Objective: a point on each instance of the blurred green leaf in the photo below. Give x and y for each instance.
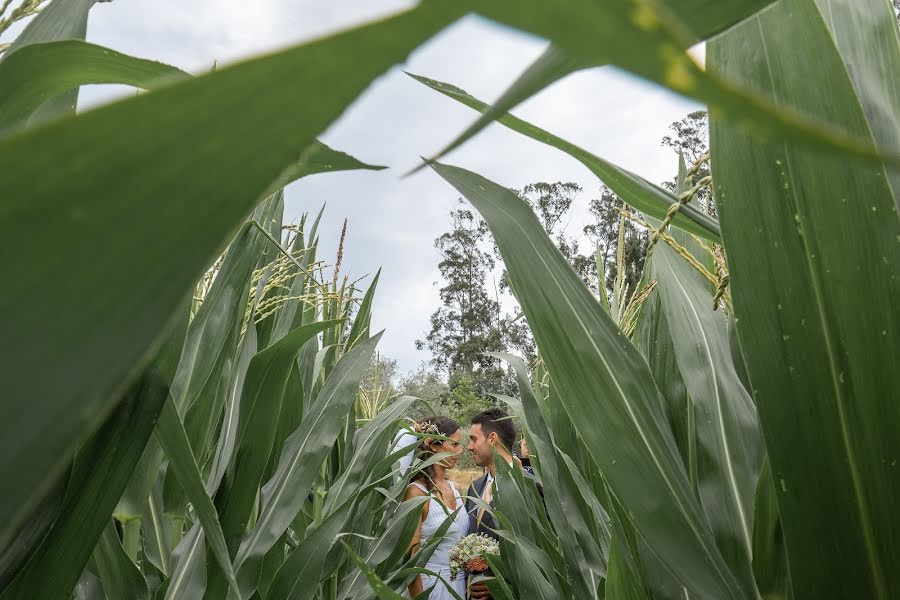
(101, 471)
(769, 559)
(59, 20)
(636, 191)
(213, 143)
(621, 583)
(814, 265)
(702, 18)
(38, 72)
(649, 40)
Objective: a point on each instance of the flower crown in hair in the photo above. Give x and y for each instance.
(427, 428)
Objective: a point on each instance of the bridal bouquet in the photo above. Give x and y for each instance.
(470, 552)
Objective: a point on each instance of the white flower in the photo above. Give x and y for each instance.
(470, 552)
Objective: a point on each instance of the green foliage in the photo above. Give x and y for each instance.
(467, 324)
(428, 385)
(464, 403)
(728, 433)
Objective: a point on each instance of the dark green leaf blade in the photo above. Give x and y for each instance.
(702, 17)
(213, 143)
(120, 577)
(172, 437)
(769, 559)
(815, 268)
(382, 591)
(730, 449)
(301, 458)
(589, 359)
(99, 476)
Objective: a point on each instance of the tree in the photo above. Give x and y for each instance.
(428, 385)
(551, 203)
(464, 401)
(691, 140)
(603, 230)
(467, 324)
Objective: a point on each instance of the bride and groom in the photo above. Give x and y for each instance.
(491, 431)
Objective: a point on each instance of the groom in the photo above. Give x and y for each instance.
(492, 430)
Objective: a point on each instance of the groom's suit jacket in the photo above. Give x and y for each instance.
(487, 520)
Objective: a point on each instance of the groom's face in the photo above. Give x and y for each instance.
(480, 446)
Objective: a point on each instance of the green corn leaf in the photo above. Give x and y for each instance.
(382, 591)
(649, 39)
(769, 559)
(228, 430)
(300, 573)
(29, 537)
(156, 532)
(637, 192)
(213, 143)
(702, 18)
(516, 506)
(173, 438)
(211, 337)
(654, 339)
(396, 535)
(101, 471)
(363, 463)
(299, 463)
(360, 329)
(120, 577)
(729, 446)
(38, 72)
(59, 20)
(590, 360)
(815, 270)
(551, 66)
(580, 542)
(188, 579)
(261, 401)
(621, 583)
(867, 42)
(320, 158)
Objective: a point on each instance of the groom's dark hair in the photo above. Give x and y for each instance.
(497, 421)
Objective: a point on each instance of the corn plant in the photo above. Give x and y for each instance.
(702, 426)
(147, 444)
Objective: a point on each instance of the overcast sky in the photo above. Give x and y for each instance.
(393, 221)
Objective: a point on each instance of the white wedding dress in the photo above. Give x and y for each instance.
(440, 559)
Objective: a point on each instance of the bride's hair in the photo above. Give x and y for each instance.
(434, 425)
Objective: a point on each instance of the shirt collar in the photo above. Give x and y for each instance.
(490, 476)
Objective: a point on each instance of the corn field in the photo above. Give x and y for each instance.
(182, 411)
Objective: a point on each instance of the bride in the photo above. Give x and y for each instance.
(445, 503)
